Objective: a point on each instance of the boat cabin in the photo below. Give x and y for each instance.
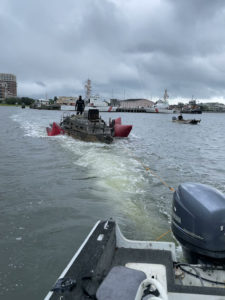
(92, 114)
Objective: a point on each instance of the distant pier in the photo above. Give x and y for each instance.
(131, 109)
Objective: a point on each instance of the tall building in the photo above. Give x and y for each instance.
(8, 86)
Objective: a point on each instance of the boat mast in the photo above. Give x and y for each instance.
(166, 96)
(87, 89)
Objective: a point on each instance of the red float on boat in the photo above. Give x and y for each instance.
(121, 130)
(54, 130)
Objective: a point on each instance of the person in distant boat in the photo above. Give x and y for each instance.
(180, 117)
(80, 106)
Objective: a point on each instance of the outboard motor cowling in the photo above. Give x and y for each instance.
(198, 222)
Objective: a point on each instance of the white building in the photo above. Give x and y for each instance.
(63, 100)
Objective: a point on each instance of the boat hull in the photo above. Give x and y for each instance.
(192, 122)
(159, 110)
(84, 136)
(103, 108)
(88, 127)
(106, 249)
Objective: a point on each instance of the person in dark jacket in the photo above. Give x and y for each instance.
(180, 117)
(80, 106)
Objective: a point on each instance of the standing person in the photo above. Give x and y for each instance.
(80, 106)
(180, 117)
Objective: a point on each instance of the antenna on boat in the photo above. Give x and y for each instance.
(46, 96)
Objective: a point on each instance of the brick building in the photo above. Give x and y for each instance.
(8, 85)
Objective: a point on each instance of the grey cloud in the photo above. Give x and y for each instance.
(40, 83)
(138, 46)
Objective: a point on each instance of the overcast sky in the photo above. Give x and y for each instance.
(128, 48)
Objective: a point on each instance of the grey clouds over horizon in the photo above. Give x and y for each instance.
(128, 48)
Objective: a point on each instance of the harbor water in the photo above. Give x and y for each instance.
(54, 189)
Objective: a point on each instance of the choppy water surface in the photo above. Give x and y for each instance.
(54, 189)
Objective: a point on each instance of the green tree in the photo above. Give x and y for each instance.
(12, 101)
(27, 100)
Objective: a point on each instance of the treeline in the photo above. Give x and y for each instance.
(19, 101)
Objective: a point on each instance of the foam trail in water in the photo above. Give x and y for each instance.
(121, 180)
(112, 166)
(119, 177)
(33, 126)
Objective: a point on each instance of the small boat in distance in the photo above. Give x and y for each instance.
(107, 266)
(183, 121)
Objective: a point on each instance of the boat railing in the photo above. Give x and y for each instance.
(66, 115)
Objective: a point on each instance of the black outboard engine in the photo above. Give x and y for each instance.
(198, 223)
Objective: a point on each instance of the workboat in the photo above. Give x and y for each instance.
(189, 121)
(89, 127)
(161, 106)
(107, 266)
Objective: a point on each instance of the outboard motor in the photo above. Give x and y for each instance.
(198, 223)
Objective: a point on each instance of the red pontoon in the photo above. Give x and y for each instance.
(121, 130)
(54, 130)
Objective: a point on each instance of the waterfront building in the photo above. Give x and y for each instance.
(214, 106)
(42, 101)
(135, 103)
(8, 85)
(3, 90)
(66, 100)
